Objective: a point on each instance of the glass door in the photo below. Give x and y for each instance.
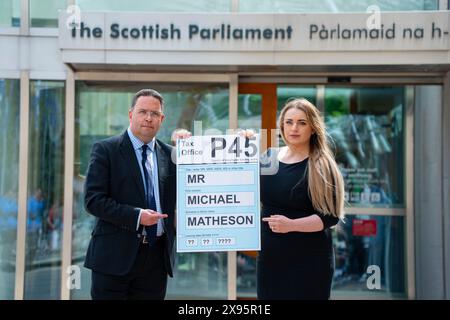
(102, 111)
(367, 125)
(367, 132)
(257, 107)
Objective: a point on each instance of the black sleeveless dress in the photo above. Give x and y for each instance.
(293, 265)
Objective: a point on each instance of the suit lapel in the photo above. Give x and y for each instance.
(131, 163)
(163, 170)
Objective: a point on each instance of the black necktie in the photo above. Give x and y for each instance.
(149, 196)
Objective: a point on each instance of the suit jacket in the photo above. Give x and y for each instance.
(114, 190)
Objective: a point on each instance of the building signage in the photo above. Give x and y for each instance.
(172, 32)
(114, 37)
(218, 194)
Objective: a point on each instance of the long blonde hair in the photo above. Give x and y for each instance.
(325, 182)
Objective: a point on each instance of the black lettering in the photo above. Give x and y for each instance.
(205, 34)
(437, 30)
(390, 33)
(84, 29)
(234, 148)
(151, 31)
(124, 33)
(174, 31)
(115, 31)
(237, 34)
(374, 34)
(164, 33)
(289, 32)
(323, 34)
(407, 33)
(144, 32)
(333, 31)
(281, 32)
(418, 33)
(215, 32)
(194, 178)
(97, 32)
(134, 33)
(360, 32)
(215, 147)
(253, 33)
(313, 28)
(193, 30)
(267, 33)
(191, 221)
(192, 200)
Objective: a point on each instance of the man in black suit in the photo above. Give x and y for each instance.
(131, 189)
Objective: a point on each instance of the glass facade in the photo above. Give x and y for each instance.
(9, 178)
(288, 6)
(102, 111)
(10, 13)
(44, 13)
(285, 93)
(156, 6)
(45, 190)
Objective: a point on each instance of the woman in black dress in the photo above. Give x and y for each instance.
(300, 202)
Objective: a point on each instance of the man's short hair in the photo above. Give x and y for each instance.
(147, 93)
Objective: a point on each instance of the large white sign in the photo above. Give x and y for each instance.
(218, 206)
(256, 32)
(255, 39)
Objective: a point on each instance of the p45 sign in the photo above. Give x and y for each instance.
(218, 206)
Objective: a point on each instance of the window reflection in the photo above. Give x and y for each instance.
(156, 5)
(249, 111)
(10, 13)
(199, 276)
(9, 158)
(358, 245)
(44, 13)
(45, 190)
(288, 6)
(366, 126)
(246, 274)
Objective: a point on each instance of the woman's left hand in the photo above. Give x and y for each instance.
(279, 223)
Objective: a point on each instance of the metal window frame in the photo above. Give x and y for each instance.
(23, 185)
(409, 192)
